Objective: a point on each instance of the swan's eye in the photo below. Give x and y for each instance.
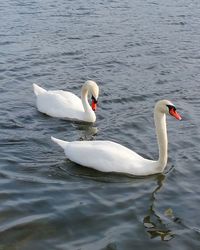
(94, 99)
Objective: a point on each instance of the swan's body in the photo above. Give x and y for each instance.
(66, 105)
(107, 156)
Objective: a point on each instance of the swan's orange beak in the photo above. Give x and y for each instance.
(175, 114)
(94, 104)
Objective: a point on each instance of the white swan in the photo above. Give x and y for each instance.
(66, 105)
(107, 156)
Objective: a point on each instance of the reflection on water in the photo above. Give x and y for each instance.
(138, 52)
(87, 132)
(153, 223)
(163, 226)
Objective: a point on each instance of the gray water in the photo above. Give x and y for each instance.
(138, 52)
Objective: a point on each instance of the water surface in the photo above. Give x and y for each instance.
(138, 52)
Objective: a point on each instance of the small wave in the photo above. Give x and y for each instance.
(25, 220)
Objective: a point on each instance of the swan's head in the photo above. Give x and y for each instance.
(93, 90)
(167, 107)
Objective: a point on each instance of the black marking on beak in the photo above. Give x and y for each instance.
(94, 99)
(171, 107)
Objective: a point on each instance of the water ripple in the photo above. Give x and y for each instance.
(138, 52)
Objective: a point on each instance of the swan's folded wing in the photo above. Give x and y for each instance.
(104, 156)
(60, 104)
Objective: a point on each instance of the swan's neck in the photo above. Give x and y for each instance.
(161, 131)
(88, 110)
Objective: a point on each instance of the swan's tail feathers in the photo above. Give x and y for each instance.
(38, 90)
(61, 143)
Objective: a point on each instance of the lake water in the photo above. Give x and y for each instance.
(138, 52)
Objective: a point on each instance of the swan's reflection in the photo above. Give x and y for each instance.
(87, 132)
(154, 225)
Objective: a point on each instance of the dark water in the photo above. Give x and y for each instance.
(138, 51)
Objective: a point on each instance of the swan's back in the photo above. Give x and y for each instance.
(59, 103)
(107, 156)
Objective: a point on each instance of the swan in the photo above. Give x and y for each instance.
(108, 156)
(66, 105)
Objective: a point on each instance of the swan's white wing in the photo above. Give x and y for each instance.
(60, 103)
(107, 156)
(69, 96)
